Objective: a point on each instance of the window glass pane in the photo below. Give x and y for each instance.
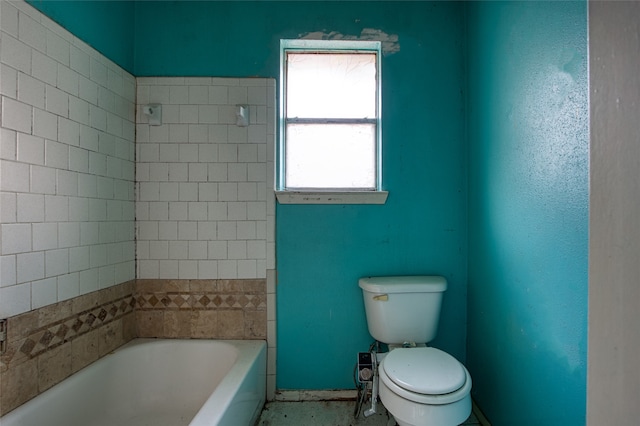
(331, 156)
(331, 85)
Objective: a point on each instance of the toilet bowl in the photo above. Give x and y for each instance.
(424, 386)
(418, 385)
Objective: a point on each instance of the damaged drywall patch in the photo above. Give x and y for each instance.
(390, 42)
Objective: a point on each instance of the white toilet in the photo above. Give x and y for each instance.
(419, 385)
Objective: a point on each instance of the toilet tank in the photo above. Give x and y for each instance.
(403, 308)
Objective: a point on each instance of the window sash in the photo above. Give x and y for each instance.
(342, 84)
(325, 46)
(297, 120)
(331, 156)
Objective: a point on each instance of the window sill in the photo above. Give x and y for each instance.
(332, 197)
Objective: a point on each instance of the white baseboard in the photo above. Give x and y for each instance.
(478, 413)
(315, 395)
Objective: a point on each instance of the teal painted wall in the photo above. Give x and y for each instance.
(212, 38)
(107, 26)
(528, 211)
(323, 250)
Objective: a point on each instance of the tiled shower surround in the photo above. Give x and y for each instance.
(67, 165)
(204, 208)
(112, 228)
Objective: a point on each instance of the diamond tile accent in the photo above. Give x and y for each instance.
(90, 319)
(27, 346)
(243, 300)
(202, 301)
(102, 314)
(46, 338)
(77, 325)
(55, 334)
(62, 331)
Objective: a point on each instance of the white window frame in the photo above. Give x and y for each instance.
(328, 195)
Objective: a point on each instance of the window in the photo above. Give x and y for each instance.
(330, 145)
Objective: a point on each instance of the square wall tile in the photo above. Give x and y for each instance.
(16, 238)
(8, 271)
(15, 300)
(67, 135)
(30, 266)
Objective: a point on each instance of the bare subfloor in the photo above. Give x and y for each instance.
(325, 413)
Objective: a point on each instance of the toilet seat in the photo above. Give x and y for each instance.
(424, 370)
(425, 375)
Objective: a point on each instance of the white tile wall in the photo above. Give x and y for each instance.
(202, 205)
(205, 205)
(66, 164)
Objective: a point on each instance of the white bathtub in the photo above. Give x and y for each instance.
(157, 382)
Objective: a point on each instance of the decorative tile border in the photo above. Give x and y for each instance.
(200, 301)
(57, 334)
(227, 309)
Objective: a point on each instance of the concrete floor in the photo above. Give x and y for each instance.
(325, 413)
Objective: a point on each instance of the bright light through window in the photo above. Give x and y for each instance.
(331, 85)
(331, 155)
(330, 113)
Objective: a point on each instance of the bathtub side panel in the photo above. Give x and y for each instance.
(239, 398)
(250, 399)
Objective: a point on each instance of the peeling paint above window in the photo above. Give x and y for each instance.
(390, 43)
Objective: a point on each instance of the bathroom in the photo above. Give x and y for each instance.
(486, 160)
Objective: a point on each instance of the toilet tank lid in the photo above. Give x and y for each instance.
(404, 284)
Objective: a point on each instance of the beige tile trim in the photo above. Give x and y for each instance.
(206, 309)
(35, 332)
